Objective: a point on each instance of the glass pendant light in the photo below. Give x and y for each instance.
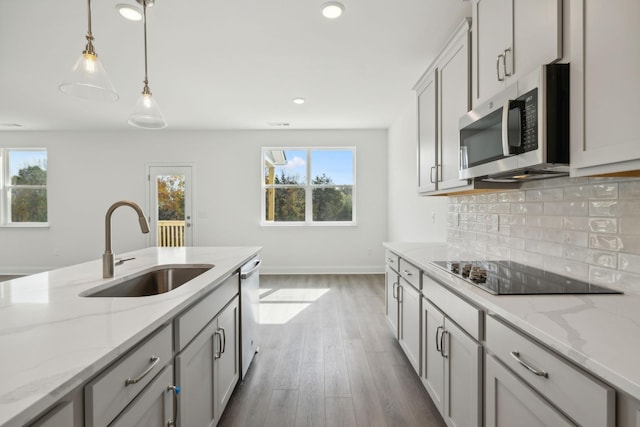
(146, 113)
(88, 79)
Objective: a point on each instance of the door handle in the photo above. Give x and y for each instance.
(224, 340)
(504, 63)
(500, 79)
(438, 329)
(442, 343)
(217, 354)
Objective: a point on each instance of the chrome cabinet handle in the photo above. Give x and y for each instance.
(500, 79)
(154, 361)
(400, 293)
(394, 291)
(504, 62)
(539, 372)
(176, 392)
(438, 329)
(444, 332)
(224, 340)
(431, 174)
(407, 272)
(217, 354)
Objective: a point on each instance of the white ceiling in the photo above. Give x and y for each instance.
(223, 64)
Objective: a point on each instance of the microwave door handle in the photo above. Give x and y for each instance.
(505, 128)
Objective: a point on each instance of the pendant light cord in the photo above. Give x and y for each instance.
(144, 20)
(89, 48)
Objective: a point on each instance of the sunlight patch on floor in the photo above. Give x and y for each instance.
(279, 307)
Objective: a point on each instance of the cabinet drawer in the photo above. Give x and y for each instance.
(467, 316)
(108, 394)
(411, 273)
(582, 397)
(195, 318)
(392, 260)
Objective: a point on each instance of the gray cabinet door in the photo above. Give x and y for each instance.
(510, 402)
(227, 369)
(454, 83)
(410, 323)
(153, 407)
(605, 66)
(195, 376)
(427, 132)
(433, 363)
(391, 292)
(462, 375)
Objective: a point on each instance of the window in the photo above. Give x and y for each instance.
(308, 186)
(23, 183)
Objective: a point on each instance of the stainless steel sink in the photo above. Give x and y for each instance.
(156, 281)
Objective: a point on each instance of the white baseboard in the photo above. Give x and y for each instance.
(350, 269)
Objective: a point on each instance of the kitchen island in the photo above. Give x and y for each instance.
(53, 340)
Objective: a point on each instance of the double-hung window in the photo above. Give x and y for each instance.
(23, 187)
(308, 186)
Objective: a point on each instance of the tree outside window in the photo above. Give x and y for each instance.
(308, 186)
(24, 179)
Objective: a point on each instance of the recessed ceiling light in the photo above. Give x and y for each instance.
(132, 13)
(332, 9)
(298, 101)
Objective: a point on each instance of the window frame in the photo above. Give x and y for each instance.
(308, 189)
(6, 187)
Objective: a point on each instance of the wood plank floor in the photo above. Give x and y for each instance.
(328, 358)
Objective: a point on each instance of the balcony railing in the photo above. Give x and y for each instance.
(170, 233)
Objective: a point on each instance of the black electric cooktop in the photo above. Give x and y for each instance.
(512, 278)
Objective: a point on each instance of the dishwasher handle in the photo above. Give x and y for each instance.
(246, 274)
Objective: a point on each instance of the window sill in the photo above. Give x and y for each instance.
(26, 225)
(309, 224)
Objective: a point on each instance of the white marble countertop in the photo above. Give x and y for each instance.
(52, 340)
(600, 333)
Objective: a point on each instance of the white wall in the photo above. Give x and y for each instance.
(411, 216)
(89, 171)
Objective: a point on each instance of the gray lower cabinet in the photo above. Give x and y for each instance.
(509, 401)
(584, 400)
(116, 387)
(409, 319)
(452, 371)
(154, 406)
(207, 370)
(391, 298)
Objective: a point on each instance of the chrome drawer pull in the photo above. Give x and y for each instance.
(516, 355)
(407, 272)
(154, 361)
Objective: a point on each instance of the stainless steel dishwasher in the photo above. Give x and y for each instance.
(250, 311)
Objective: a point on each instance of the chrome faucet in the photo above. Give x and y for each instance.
(108, 263)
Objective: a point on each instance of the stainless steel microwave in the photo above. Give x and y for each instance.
(522, 133)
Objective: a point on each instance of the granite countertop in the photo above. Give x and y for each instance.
(597, 332)
(53, 340)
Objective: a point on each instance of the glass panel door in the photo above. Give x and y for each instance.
(171, 221)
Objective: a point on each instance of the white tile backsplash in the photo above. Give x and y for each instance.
(585, 227)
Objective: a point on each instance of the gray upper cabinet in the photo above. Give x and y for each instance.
(605, 65)
(512, 38)
(427, 131)
(443, 94)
